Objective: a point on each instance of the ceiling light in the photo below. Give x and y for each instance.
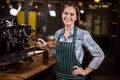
(52, 13)
(80, 3)
(97, 1)
(14, 11)
(82, 11)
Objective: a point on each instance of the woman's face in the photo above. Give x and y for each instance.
(69, 16)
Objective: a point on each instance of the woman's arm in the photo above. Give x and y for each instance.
(95, 51)
(43, 45)
(81, 71)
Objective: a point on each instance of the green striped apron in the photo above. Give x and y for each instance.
(66, 59)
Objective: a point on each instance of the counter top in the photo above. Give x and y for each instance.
(25, 70)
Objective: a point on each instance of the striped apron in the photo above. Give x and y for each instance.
(66, 59)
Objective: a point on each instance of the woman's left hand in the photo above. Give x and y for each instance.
(78, 71)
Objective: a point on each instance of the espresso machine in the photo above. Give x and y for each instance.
(14, 41)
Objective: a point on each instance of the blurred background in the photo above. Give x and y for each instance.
(100, 17)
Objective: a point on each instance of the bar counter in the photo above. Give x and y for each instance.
(26, 70)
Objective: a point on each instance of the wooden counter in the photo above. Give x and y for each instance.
(27, 69)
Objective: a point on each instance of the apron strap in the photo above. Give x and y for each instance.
(75, 34)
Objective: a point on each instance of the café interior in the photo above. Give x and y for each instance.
(23, 21)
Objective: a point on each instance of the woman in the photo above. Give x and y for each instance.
(68, 49)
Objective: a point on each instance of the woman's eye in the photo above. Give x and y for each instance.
(65, 13)
(71, 14)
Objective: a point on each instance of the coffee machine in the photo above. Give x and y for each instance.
(13, 41)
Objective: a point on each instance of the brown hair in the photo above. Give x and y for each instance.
(67, 4)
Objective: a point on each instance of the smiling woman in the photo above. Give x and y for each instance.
(68, 49)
